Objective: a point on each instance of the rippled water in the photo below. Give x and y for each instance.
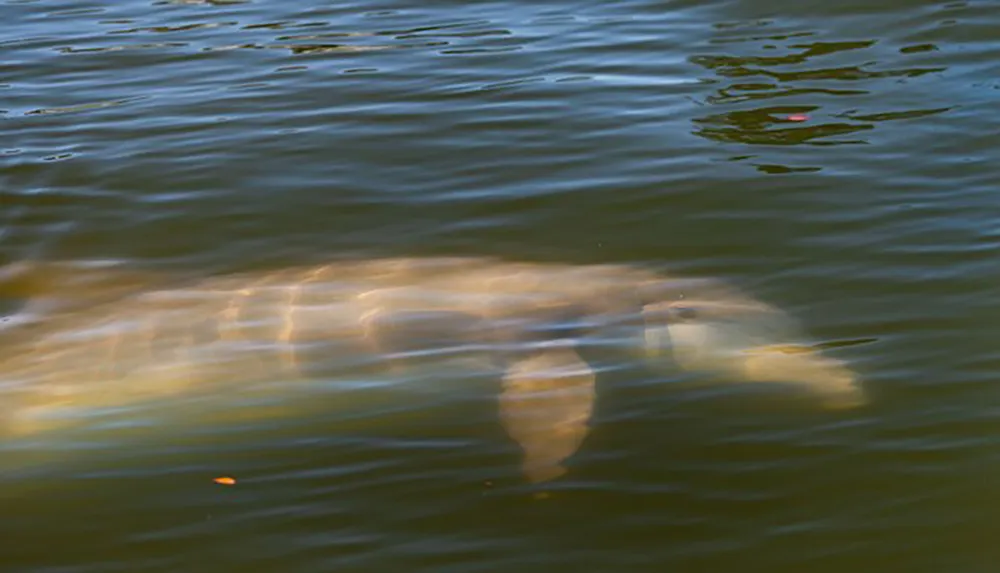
(837, 159)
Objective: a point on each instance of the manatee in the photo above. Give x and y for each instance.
(245, 333)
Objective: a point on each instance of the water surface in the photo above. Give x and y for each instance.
(834, 158)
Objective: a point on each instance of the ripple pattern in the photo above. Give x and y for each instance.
(837, 159)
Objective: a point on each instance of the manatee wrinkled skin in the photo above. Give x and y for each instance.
(525, 320)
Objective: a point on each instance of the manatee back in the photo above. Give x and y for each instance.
(224, 334)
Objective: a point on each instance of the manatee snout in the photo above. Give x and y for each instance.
(737, 339)
(835, 385)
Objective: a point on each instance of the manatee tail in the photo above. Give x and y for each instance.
(38, 288)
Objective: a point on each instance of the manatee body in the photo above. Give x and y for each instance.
(239, 334)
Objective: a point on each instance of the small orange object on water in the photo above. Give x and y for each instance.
(798, 117)
(225, 480)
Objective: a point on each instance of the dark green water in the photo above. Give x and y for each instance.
(209, 136)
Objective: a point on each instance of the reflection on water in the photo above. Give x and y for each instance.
(462, 37)
(806, 72)
(754, 127)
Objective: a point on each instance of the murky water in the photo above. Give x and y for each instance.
(835, 159)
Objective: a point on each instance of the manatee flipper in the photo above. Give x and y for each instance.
(546, 406)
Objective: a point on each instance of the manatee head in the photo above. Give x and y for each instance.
(705, 326)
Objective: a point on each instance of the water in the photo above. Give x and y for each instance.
(203, 137)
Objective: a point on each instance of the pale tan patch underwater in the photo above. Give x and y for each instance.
(143, 338)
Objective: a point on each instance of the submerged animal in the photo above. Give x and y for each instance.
(527, 322)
